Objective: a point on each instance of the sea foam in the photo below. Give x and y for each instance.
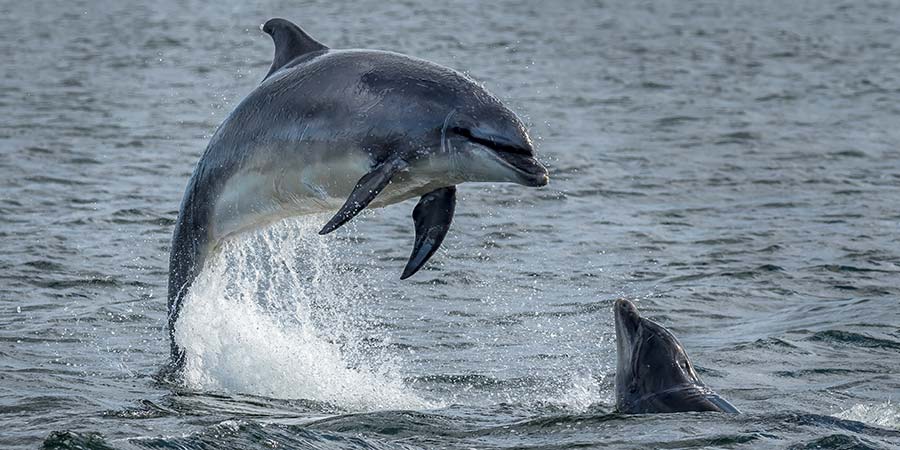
(885, 415)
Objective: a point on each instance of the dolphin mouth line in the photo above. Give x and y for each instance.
(528, 167)
(520, 159)
(492, 144)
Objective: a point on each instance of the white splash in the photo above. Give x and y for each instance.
(274, 314)
(583, 390)
(885, 415)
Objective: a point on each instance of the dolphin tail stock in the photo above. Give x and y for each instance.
(186, 260)
(432, 217)
(367, 188)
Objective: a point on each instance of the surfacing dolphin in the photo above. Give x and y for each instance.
(653, 373)
(341, 130)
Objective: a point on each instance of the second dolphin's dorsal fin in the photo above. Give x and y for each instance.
(290, 42)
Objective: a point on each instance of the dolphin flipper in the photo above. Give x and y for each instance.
(432, 216)
(367, 188)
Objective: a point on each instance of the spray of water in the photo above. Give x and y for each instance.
(275, 314)
(885, 414)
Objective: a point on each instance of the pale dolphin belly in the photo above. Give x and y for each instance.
(270, 188)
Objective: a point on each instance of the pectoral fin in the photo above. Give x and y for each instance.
(367, 188)
(432, 217)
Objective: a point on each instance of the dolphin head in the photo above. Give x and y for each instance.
(454, 123)
(649, 358)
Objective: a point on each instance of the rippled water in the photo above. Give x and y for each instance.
(734, 168)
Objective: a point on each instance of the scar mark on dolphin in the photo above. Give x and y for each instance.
(445, 143)
(303, 133)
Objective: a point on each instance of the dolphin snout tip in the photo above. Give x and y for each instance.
(539, 180)
(624, 307)
(627, 319)
(532, 173)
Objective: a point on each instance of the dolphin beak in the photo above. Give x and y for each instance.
(628, 329)
(531, 172)
(514, 150)
(628, 320)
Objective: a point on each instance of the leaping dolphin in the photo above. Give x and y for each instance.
(653, 373)
(342, 130)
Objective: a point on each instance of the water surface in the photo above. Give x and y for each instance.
(733, 168)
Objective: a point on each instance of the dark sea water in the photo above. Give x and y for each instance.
(732, 167)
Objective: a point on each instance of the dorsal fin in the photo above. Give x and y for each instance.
(290, 42)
